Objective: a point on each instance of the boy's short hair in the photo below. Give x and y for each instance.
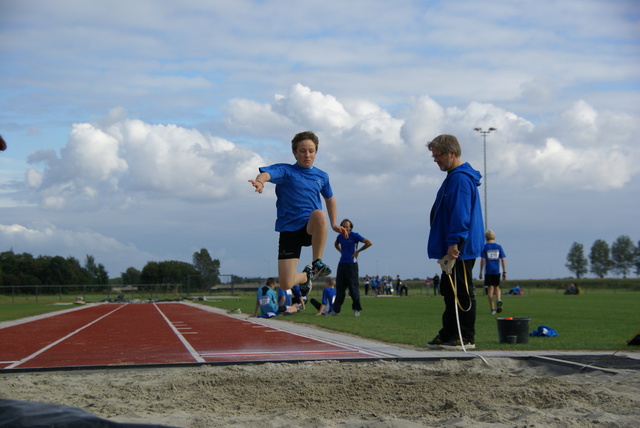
(301, 136)
(490, 235)
(445, 143)
(330, 281)
(270, 282)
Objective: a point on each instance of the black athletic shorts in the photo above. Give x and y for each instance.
(290, 243)
(492, 280)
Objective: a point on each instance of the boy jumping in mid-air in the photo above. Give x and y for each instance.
(300, 219)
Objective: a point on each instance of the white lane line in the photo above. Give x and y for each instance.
(51, 345)
(186, 344)
(257, 353)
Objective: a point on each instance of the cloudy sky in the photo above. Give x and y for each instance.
(133, 127)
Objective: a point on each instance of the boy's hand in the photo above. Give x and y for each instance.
(341, 230)
(259, 185)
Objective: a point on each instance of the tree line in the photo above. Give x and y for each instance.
(203, 273)
(622, 258)
(26, 270)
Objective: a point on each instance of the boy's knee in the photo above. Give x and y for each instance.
(318, 217)
(317, 222)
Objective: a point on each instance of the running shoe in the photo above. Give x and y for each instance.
(332, 314)
(455, 345)
(499, 306)
(435, 343)
(356, 313)
(306, 287)
(493, 312)
(320, 270)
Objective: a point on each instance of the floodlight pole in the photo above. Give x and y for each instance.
(484, 138)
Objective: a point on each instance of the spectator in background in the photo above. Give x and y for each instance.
(387, 285)
(267, 301)
(298, 298)
(492, 256)
(328, 299)
(285, 297)
(348, 276)
(572, 289)
(401, 287)
(375, 285)
(515, 291)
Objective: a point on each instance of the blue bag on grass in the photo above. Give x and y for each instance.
(544, 331)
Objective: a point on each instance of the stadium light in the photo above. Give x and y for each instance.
(484, 138)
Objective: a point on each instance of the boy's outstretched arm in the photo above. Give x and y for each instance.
(258, 183)
(332, 209)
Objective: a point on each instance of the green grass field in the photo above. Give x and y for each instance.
(21, 310)
(600, 320)
(597, 320)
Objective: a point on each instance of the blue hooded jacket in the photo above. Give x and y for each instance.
(457, 215)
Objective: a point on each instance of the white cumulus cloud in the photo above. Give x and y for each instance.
(109, 161)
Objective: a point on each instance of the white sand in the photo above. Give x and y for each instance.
(446, 393)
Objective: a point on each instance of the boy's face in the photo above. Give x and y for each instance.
(305, 153)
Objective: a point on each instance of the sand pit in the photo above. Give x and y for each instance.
(445, 393)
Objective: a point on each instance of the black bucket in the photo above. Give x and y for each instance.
(513, 330)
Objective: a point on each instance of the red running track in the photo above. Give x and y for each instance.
(154, 334)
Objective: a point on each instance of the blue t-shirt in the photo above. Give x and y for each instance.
(348, 246)
(328, 297)
(267, 299)
(298, 191)
(295, 290)
(287, 296)
(492, 252)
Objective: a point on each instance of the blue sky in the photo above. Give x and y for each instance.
(133, 127)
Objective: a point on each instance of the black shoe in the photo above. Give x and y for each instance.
(307, 286)
(435, 343)
(320, 270)
(455, 345)
(499, 309)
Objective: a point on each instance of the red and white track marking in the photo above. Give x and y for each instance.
(148, 334)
